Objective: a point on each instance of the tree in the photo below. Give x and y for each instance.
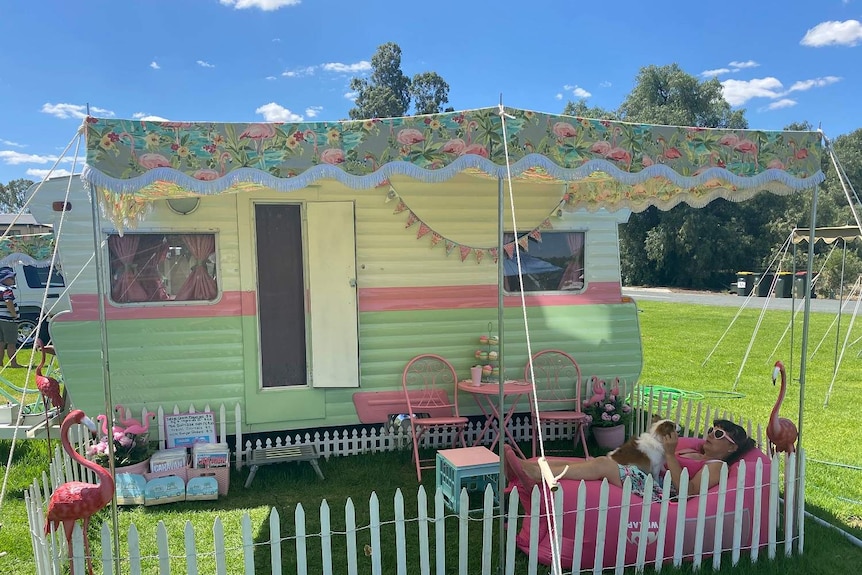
(667, 95)
(581, 110)
(430, 92)
(12, 195)
(387, 93)
(702, 247)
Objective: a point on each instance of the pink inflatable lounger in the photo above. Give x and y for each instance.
(609, 552)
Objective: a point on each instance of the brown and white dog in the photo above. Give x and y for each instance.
(647, 450)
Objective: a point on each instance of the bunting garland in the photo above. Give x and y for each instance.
(464, 250)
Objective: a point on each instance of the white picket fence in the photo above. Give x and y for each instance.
(435, 537)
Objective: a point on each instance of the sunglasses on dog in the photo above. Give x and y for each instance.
(719, 433)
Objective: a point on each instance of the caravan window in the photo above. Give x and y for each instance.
(554, 264)
(157, 267)
(37, 277)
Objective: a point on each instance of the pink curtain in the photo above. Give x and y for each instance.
(152, 251)
(573, 274)
(124, 285)
(199, 285)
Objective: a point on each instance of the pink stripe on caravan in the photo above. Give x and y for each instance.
(477, 296)
(85, 307)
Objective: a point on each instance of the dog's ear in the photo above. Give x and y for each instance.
(655, 418)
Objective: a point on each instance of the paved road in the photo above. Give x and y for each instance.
(730, 300)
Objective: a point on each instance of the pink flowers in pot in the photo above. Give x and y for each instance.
(129, 448)
(606, 408)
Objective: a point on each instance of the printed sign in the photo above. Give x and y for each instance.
(187, 429)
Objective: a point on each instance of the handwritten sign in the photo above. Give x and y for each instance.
(187, 429)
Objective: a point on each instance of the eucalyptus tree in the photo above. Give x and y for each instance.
(388, 92)
(12, 195)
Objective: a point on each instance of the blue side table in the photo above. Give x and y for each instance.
(468, 467)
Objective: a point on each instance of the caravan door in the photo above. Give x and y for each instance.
(307, 312)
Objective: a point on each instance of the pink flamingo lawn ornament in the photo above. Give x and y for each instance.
(782, 433)
(599, 391)
(75, 499)
(117, 431)
(128, 421)
(135, 428)
(48, 387)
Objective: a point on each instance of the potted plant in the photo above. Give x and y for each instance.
(609, 414)
(132, 451)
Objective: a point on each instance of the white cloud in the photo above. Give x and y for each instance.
(605, 84)
(559, 96)
(782, 103)
(351, 95)
(11, 158)
(270, 78)
(361, 66)
(155, 65)
(732, 67)
(276, 39)
(307, 71)
(66, 111)
(204, 64)
(847, 33)
(144, 117)
(42, 174)
(738, 92)
(813, 83)
(273, 112)
(742, 65)
(577, 91)
(12, 144)
(265, 5)
(313, 111)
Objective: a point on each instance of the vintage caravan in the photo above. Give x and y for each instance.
(286, 267)
(324, 292)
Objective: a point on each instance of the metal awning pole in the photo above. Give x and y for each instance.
(501, 358)
(106, 367)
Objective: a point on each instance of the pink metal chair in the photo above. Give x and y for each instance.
(427, 381)
(558, 388)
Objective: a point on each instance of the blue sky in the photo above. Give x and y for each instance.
(292, 60)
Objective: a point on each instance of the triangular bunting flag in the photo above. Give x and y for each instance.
(400, 207)
(546, 225)
(423, 229)
(479, 254)
(391, 195)
(524, 242)
(465, 251)
(411, 219)
(450, 245)
(509, 249)
(493, 253)
(536, 235)
(435, 238)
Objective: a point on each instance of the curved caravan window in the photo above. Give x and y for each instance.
(554, 264)
(158, 267)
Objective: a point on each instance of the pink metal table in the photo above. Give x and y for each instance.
(487, 397)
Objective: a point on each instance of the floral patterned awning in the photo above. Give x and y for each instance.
(605, 164)
(30, 250)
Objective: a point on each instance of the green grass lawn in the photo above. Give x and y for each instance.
(677, 339)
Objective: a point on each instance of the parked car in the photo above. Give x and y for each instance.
(30, 292)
